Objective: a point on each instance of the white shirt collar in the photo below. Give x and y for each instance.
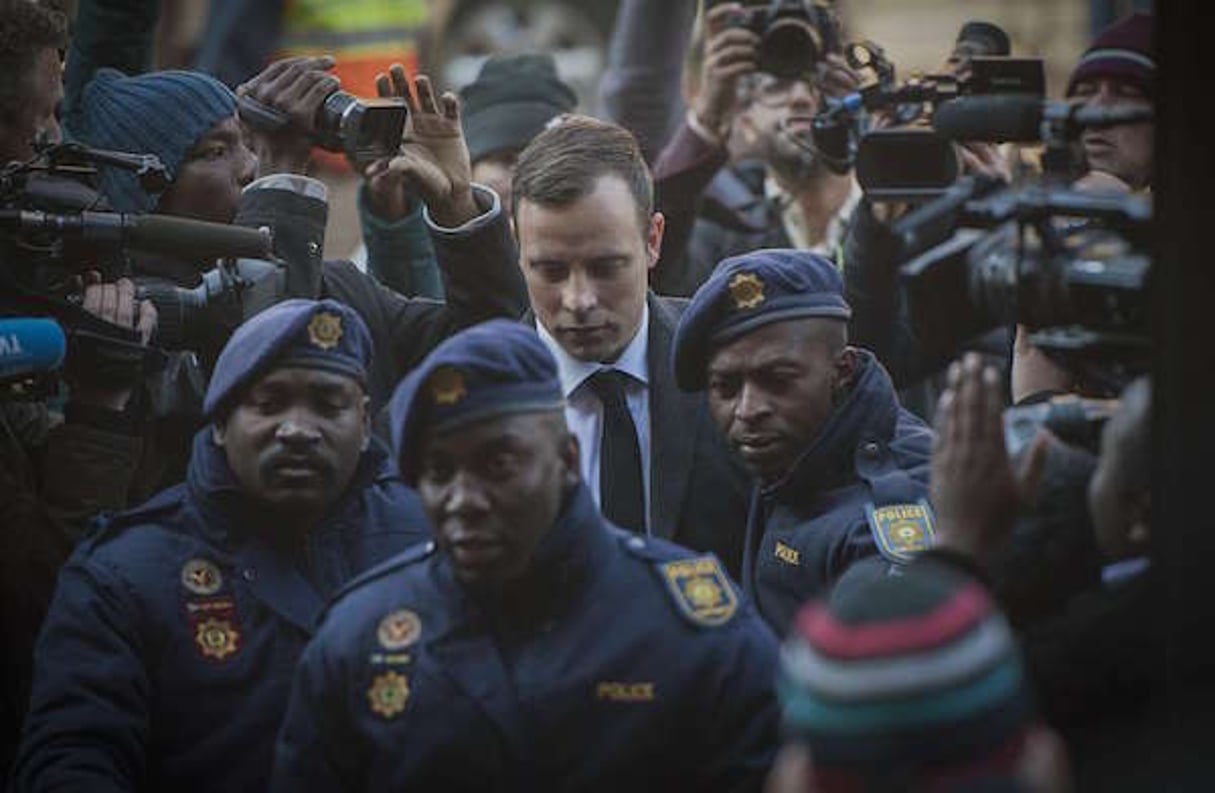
(795, 223)
(573, 371)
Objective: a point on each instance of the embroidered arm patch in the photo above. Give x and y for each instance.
(701, 590)
(902, 530)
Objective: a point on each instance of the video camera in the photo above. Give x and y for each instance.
(794, 35)
(1073, 266)
(51, 232)
(364, 129)
(909, 160)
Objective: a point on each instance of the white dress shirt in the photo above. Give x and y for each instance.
(584, 411)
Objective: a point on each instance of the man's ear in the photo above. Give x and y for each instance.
(218, 433)
(653, 239)
(845, 370)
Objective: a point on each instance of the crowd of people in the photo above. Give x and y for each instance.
(618, 463)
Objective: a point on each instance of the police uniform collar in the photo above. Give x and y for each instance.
(869, 413)
(215, 490)
(565, 560)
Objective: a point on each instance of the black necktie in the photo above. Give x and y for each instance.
(621, 492)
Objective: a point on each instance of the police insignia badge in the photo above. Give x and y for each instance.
(701, 590)
(446, 386)
(325, 330)
(388, 694)
(201, 577)
(399, 630)
(747, 290)
(901, 530)
(216, 638)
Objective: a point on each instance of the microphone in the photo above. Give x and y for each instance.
(30, 345)
(161, 234)
(1018, 118)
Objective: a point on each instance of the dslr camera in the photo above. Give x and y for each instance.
(794, 35)
(364, 129)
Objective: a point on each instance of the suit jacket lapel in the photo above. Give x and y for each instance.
(673, 427)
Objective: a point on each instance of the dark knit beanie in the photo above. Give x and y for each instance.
(990, 38)
(513, 98)
(161, 113)
(1123, 51)
(904, 680)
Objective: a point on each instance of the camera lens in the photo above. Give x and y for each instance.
(789, 48)
(329, 120)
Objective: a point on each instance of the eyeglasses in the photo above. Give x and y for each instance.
(777, 91)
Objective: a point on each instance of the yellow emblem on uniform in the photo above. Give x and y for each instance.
(902, 530)
(447, 386)
(388, 694)
(216, 638)
(612, 691)
(201, 577)
(399, 629)
(325, 330)
(701, 590)
(747, 290)
(787, 554)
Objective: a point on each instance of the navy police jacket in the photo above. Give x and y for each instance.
(166, 659)
(857, 490)
(622, 663)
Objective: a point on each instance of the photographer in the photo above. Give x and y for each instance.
(189, 121)
(779, 193)
(871, 251)
(1117, 70)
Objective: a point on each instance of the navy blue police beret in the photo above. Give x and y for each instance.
(313, 334)
(747, 292)
(493, 369)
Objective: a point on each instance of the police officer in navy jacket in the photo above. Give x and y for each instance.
(533, 646)
(841, 469)
(165, 661)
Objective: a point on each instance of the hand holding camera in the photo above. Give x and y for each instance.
(730, 53)
(296, 103)
(433, 155)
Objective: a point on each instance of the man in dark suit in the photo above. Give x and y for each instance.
(588, 238)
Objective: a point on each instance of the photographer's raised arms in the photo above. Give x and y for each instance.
(528, 494)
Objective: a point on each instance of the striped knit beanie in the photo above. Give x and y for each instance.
(1123, 51)
(161, 113)
(906, 680)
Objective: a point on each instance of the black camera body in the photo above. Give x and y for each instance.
(794, 35)
(1074, 267)
(363, 129)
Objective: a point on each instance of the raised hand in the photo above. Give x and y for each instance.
(434, 156)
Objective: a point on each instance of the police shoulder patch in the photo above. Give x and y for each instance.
(701, 589)
(901, 530)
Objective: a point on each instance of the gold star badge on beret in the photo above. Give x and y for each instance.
(325, 330)
(747, 290)
(447, 386)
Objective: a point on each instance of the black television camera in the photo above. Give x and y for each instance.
(365, 129)
(53, 229)
(1073, 266)
(794, 35)
(909, 160)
